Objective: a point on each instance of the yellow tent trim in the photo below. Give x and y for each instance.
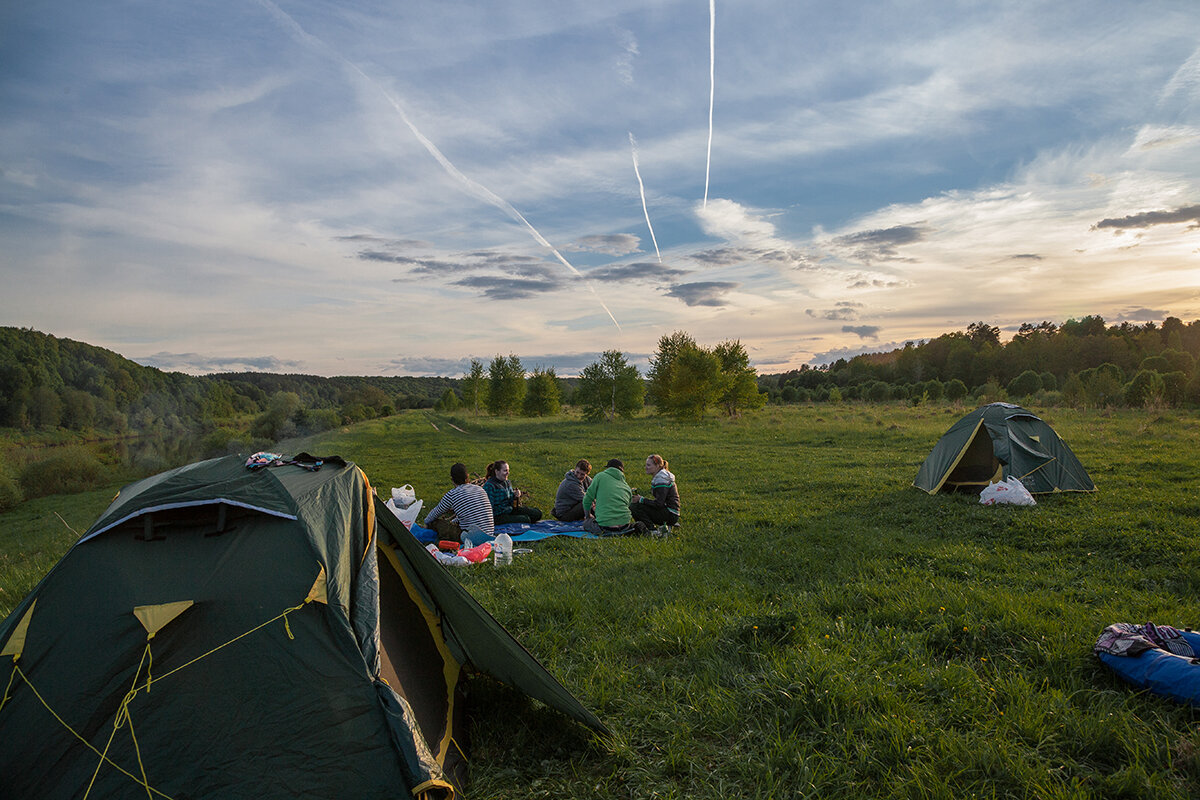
(434, 789)
(319, 593)
(155, 618)
(370, 503)
(15, 645)
(958, 458)
(451, 668)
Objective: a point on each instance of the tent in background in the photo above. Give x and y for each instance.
(222, 632)
(997, 442)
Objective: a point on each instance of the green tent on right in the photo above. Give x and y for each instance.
(997, 442)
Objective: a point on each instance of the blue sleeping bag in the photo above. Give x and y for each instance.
(1159, 671)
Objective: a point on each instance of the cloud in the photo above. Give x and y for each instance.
(427, 366)
(1148, 218)
(639, 270)
(370, 237)
(1150, 137)
(879, 245)
(703, 293)
(862, 331)
(612, 244)
(844, 310)
(1142, 315)
(830, 356)
(784, 257)
(629, 51)
(420, 265)
(196, 364)
(1025, 257)
(499, 287)
(725, 219)
(876, 283)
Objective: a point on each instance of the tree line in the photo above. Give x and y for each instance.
(1083, 362)
(685, 381)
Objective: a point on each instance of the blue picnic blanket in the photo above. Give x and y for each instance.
(519, 532)
(544, 530)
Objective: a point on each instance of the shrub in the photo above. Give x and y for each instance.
(1175, 387)
(10, 492)
(1025, 384)
(876, 391)
(69, 469)
(1145, 389)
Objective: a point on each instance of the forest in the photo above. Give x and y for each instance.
(1081, 363)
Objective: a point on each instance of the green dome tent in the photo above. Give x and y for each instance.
(997, 442)
(222, 632)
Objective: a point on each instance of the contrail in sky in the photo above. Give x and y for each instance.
(475, 187)
(642, 189)
(712, 86)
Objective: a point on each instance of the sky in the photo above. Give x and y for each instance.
(383, 188)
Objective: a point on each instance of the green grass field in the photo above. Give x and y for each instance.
(819, 628)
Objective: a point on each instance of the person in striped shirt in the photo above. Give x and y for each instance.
(472, 511)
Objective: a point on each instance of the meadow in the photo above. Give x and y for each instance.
(818, 628)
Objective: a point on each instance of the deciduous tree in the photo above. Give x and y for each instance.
(543, 396)
(506, 385)
(610, 388)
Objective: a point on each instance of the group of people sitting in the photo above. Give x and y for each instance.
(605, 505)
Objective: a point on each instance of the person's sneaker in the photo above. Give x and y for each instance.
(660, 532)
(639, 528)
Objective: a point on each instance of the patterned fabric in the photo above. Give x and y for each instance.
(470, 506)
(1126, 639)
(501, 495)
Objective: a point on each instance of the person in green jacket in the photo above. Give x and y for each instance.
(611, 494)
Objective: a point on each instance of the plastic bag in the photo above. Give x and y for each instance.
(1011, 491)
(406, 514)
(477, 554)
(446, 558)
(404, 496)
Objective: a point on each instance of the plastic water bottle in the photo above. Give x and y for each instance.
(502, 550)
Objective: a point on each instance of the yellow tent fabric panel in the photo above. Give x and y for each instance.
(319, 593)
(16, 643)
(155, 618)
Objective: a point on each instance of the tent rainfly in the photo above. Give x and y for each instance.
(222, 632)
(997, 442)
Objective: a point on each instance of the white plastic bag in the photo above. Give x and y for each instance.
(408, 514)
(405, 496)
(1011, 491)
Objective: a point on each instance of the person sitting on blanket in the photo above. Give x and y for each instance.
(505, 499)
(611, 494)
(662, 508)
(466, 508)
(568, 501)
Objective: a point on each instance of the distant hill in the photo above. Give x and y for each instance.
(50, 382)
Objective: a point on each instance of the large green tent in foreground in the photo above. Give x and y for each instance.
(997, 442)
(222, 632)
